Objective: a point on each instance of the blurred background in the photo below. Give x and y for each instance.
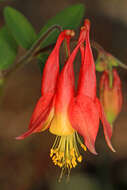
(26, 165)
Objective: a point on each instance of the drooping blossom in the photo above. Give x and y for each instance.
(65, 151)
(51, 110)
(85, 109)
(67, 112)
(111, 97)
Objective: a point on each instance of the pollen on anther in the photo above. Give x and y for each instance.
(84, 147)
(79, 158)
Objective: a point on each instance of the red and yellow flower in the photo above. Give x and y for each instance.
(65, 111)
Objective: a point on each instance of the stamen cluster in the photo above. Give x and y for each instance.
(65, 153)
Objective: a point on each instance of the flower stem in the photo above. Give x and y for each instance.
(105, 54)
(110, 77)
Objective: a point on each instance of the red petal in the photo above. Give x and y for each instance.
(117, 84)
(65, 84)
(103, 79)
(117, 81)
(51, 69)
(40, 115)
(87, 76)
(106, 126)
(84, 118)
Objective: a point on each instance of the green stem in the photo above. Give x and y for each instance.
(45, 49)
(100, 49)
(110, 77)
(66, 49)
(122, 65)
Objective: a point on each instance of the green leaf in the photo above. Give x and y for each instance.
(20, 27)
(8, 48)
(69, 18)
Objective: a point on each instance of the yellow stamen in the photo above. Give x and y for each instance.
(84, 147)
(65, 153)
(79, 158)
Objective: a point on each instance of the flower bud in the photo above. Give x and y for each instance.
(111, 97)
(101, 63)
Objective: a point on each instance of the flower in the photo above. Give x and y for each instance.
(51, 110)
(111, 98)
(67, 112)
(85, 109)
(65, 151)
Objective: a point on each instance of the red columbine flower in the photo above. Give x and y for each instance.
(65, 152)
(65, 112)
(111, 97)
(51, 110)
(85, 109)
